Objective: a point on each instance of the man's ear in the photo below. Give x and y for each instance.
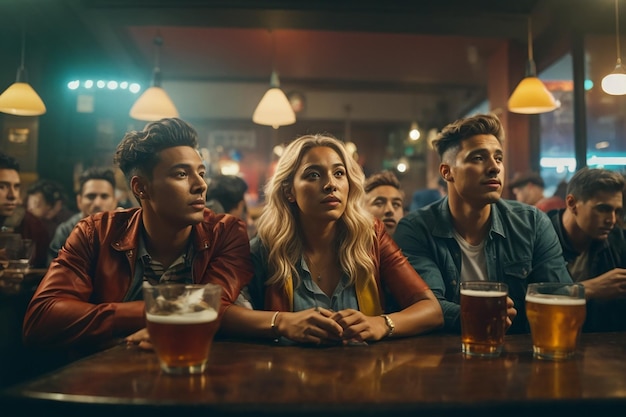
(445, 172)
(138, 187)
(570, 203)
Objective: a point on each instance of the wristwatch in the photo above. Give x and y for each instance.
(389, 324)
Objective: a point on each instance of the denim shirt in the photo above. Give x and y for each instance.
(521, 247)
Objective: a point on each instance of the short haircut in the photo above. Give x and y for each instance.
(228, 190)
(453, 134)
(587, 182)
(95, 173)
(520, 180)
(382, 178)
(8, 162)
(51, 191)
(138, 152)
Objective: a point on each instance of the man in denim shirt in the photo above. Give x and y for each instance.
(473, 234)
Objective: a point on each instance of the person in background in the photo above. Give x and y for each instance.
(226, 194)
(474, 234)
(529, 188)
(593, 247)
(46, 200)
(384, 199)
(323, 266)
(96, 193)
(14, 218)
(91, 296)
(422, 198)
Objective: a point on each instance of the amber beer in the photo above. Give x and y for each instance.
(555, 319)
(182, 320)
(483, 317)
(183, 342)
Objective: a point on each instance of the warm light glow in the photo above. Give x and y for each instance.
(615, 82)
(21, 100)
(153, 104)
(531, 97)
(414, 133)
(274, 110)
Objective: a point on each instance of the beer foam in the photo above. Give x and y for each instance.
(555, 299)
(203, 316)
(479, 293)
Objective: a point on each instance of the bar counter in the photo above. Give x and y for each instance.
(419, 376)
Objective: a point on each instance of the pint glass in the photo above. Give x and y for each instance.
(182, 320)
(483, 317)
(556, 313)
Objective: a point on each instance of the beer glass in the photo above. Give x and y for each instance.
(483, 317)
(556, 313)
(182, 320)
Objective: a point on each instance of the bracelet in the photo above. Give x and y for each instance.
(390, 326)
(274, 328)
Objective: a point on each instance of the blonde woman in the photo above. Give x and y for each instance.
(325, 271)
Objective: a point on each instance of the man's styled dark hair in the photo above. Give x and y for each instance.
(453, 134)
(228, 190)
(587, 182)
(382, 178)
(95, 173)
(138, 152)
(51, 191)
(8, 162)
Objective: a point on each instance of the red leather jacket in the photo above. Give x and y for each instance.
(79, 302)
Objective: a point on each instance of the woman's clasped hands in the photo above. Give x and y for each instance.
(321, 326)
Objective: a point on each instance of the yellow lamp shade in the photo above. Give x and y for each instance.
(274, 109)
(154, 104)
(20, 99)
(531, 97)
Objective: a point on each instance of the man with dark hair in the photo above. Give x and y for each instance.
(91, 295)
(474, 234)
(384, 199)
(96, 193)
(528, 188)
(46, 200)
(226, 194)
(594, 245)
(14, 218)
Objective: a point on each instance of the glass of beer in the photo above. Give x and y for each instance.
(483, 317)
(182, 320)
(556, 313)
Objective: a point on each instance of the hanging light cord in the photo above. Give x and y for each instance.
(530, 39)
(619, 58)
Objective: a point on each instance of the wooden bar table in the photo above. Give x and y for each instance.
(419, 376)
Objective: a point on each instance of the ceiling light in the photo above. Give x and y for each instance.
(414, 133)
(615, 82)
(531, 95)
(20, 99)
(274, 108)
(154, 103)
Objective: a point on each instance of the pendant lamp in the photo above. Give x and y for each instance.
(615, 82)
(154, 103)
(531, 95)
(20, 99)
(274, 108)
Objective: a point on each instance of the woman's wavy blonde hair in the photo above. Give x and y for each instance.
(279, 228)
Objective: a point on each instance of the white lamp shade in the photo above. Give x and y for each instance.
(614, 84)
(20, 99)
(154, 104)
(532, 97)
(274, 109)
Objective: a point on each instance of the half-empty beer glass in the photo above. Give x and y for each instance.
(483, 317)
(182, 320)
(556, 313)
